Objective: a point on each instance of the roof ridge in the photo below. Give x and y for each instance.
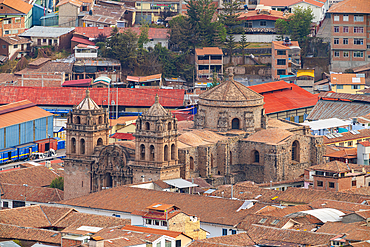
(227, 89)
(45, 214)
(64, 215)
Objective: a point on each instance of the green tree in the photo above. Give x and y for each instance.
(230, 45)
(143, 37)
(205, 28)
(57, 183)
(123, 47)
(243, 44)
(230, 13)
(298, 25)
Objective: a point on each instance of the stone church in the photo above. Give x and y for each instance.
(230, 140)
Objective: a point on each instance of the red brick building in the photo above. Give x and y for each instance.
(286, 58)
(349, 43)
(15, 17)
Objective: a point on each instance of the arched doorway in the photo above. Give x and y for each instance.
(99, 142)
(235, 124)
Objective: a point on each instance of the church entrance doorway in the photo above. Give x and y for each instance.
(108, 181)
(235, 124)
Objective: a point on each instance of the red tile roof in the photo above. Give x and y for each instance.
(68, 96)
(282, 96)
(123, 136)
(351, 6)
(29, 234)
(33, 193)
(77, 83)
(255, 15)
(346, 79)
(365, 144)
(18, 5)
(208, 51)
(93, 32)
(172, 234)
(82, 41)
(153, 33)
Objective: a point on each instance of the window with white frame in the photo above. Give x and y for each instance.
(336, 29)
(345, 29)
(345, 17)
(359, 18)
(336, 18)
(345, 54)
(336, 41)
(358, 41)
(358, 54)
(345, 41)
(358, 29)
(336, 54)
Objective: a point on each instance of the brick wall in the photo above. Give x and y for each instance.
(42, 79)
(70, 242)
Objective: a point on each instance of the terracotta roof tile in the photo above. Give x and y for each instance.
(305, 196)
(33, 193)
(365, 144)
(348, 153)
(241, 239)
(15, 40)
(364, 214)
(34, 176)
(281, 212)
(153, 33)
(270, 135)
(255, 15)
(346, 79)
(282, 96)
(354, 231)
(208, 51)
(280, 45)
(340, 205)
(19, 5)
(8, 231)
(249, 193)
(93, 32)
(208, 209)
(172, 234)
(264, 234)
(333, 166)
(351, 6)
(265, 220)
(346, 136)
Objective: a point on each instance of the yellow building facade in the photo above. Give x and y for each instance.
(347, 83)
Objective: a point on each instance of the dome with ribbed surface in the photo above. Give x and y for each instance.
(229, 93)
(87, 103)
(157, 109)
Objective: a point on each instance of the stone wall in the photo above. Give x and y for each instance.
(258, 70)
(238, 60)
(320, 64)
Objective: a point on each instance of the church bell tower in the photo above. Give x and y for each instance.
(156, 145)
(87, 127)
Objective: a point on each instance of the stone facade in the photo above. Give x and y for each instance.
(156, 154)
(90, 165)
(217, 148)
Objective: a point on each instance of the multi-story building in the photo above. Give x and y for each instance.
(15, 17)
(349, 43)
(72, 11)
(336, 176)
(347, 83)
(208, 60)
(286, 58)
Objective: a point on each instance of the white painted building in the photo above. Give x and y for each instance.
(363, 151)
(86, 51)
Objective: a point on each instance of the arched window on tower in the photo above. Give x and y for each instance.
(73, 145)
(165, 153)
(99, 142)
(191, 163)
(152, 153)
(82, 146)
(142, 152)
(256, 156)
(169, 126)
(147, 126)
(100, 121)
(295, 151)
(78, 120)
(231, 158)
(173, 152)
(235, 124)
(212, 161)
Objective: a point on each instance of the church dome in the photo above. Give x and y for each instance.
(230, 93)
(87, 103)
(157, 110)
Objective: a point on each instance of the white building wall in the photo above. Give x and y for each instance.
(362, 154)
(215, 230)
(318, 12)
(262, 38)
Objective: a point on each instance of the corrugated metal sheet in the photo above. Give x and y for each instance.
(40, 129)
(48, 32)
(12, 136)
(2, 139)
(68, 96)
(345, 96)
(343, 110)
